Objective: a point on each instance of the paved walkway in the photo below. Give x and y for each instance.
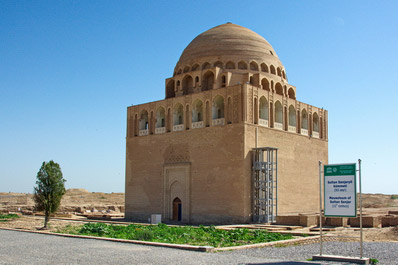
(27, 248)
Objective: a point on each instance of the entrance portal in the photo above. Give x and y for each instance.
(177, 209)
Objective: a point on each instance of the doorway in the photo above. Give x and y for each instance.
(177, 209)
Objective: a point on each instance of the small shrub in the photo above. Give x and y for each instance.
(145, 235)
(374, 261)
(394, 197)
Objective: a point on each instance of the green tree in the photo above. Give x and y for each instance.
(49, 189)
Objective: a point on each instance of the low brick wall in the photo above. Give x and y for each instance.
(288, 220)
(389, 221)
(367, 221)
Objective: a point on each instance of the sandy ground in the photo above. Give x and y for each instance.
(83, 201)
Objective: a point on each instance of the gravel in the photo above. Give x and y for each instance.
(27, 248)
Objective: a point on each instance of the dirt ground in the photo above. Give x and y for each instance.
(78, 202)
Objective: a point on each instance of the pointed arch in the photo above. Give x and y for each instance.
(272, 69)
(178, 114)
(263, 108)
(218, 64)
(197, 111)
(265, 84)
(278, 89)
(195, 67)
(206, 65)
(264, 68)
(278, 112)
(304, 119)
(291, 93)
(253, 66)
(315, 122)
(279, 71)
(292, 116)
(207, 81)
(170, 92)
(143, 123)
(242, 65)
(218, 107)
(186, 69)
(187, 85)
(160, 118)
(230, 65)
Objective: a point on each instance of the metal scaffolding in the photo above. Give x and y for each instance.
(265, 183)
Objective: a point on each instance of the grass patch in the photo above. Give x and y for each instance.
(8, 217)
(199, 236)
(394, 197)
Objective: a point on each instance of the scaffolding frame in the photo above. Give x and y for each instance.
(265, 185)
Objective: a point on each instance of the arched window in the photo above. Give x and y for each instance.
(278, 89)
(263, 108)
(186, 69)
(195, 67)
(315, 121)
(264, 68)
(187, 85)
(242, 65)
(291, 93)
(218, 64)
(254, 66)
(144, 120)
(278, 113)
(218, 107)
(178, 114)
(292, 116)
(206, 66)
(279, 71)
(230, 65)
(304, 120)
(196, 79)
(272, 69)
(179, 71)
(283, 74)
(265, 84)
(197, 111)
(170, 93)
(160, 118)
(207, 81)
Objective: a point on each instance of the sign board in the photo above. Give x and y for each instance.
(340, 190)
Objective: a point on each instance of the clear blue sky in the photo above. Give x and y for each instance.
(69, 69)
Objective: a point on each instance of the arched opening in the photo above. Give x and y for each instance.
(178, 114)
(186, 69)
(315, 122)
(207, 81)
(242, 65)
(263, 108)
(177, 209)
(279, 72)
(291, 93)
(278, 89)
(292, 116)
(283, 74)
(206, 66)
(304, 120)
(254, 66)
(218, 64)
(218, 108)
(278, 113)
(160, 118)
(265, 84)
(251, 80)
(170, 93)
(223, 81)
(187, 85)
(195, 67)
(144, 120)
(230, 65)
(197, 111)
(179, 71)
(264, 68)
(196, 80)
(272, 68)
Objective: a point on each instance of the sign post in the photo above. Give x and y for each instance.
(340, 190)
(340, 200)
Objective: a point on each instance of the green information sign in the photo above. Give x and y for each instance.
(340, 190)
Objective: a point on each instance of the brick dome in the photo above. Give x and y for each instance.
(228, 42)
